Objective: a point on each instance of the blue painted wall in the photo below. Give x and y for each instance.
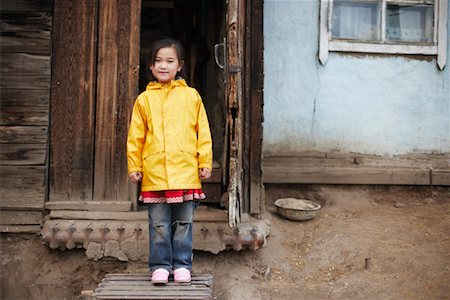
(368, 104)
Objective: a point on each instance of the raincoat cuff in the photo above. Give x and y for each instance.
(205, 165)
(134, 169)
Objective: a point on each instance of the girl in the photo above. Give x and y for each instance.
(169, 149)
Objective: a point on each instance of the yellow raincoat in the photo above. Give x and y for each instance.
(169, 137)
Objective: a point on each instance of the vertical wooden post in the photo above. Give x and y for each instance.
(117, 88)
(256, 108)
(73, 100)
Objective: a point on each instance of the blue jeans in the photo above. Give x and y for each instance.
(170, 227)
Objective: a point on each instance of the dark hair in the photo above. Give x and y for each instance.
(165, 43)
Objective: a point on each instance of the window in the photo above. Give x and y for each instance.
(384, 26)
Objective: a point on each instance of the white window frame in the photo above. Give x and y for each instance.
(437, 48)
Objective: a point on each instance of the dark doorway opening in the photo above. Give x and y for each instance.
(198, 25)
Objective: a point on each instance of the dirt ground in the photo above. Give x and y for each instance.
(366, 243)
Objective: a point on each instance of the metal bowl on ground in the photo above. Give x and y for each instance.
(297, 209)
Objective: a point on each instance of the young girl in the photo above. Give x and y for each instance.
(169, 149)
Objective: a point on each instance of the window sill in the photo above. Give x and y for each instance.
(345, 46)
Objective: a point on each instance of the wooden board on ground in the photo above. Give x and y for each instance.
(138, 286)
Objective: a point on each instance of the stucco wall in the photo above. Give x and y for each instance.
(355, 103)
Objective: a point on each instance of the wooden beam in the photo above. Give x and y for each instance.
(109, 206)
(117, 88)
(73, 100)
(346, 175)
(20, 228)
(202, 214)
(441, 177)
(20, 217)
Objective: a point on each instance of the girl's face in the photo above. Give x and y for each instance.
(166, 65)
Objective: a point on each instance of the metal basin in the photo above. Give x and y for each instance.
(297, 209)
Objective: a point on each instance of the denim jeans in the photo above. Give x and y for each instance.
(170, 227)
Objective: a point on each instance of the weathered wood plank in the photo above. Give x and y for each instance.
(117, 87)
(25, 32)
(22, 186)
(20, 217)
(24, 64)
(26, 44)
(138, 286)
(256, 195)
(356, 160)
(256, 110)
(16, 97)
(34, 82)
(203, 214)
(20, 115)
(23, 134)
(23, 154)
(20, 228)
(73, 100)
(19, 21)
(109, 206)
(143, 278)
(329, 175)
(302, 161)
(26, 5)
(441, 177)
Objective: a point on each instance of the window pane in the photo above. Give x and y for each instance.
(409, 23)
(355, 20)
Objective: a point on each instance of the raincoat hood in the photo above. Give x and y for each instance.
(155, 85)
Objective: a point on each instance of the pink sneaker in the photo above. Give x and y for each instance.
(160, 276)
(182, 275)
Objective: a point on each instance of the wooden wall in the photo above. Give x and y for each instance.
(95, 71)
(25, 57)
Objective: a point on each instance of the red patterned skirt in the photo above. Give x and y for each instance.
(172, 196)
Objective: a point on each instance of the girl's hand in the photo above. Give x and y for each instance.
(135, 177)
(204, 173)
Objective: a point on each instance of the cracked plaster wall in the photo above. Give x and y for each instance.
(374, 104)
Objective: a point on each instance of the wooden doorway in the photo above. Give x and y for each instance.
(197, 25)
(96, 78)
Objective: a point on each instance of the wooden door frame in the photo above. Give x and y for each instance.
(253, 191)
(244, 103)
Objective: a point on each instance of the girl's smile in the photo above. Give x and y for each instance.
(166, 65)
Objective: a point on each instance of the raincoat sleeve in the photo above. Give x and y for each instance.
(204, 141)
(136, 138)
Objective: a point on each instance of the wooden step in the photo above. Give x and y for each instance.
(138, 286)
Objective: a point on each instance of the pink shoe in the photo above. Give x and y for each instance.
(160, 276)
(182, 275)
